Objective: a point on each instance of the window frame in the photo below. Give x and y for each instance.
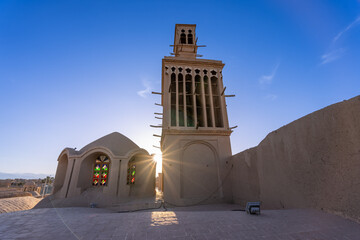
(102, 162)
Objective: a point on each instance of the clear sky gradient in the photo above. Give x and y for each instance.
(74, 71)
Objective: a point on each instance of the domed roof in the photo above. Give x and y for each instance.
(117, 143)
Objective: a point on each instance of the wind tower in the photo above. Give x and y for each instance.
(195, 139)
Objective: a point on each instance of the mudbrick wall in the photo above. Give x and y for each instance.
(312, 162)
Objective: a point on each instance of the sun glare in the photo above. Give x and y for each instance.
(158, 160)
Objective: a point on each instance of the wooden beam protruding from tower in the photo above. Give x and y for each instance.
(159, 126)
(223, 91)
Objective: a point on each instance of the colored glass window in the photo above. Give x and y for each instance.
(131, 174)
(101, 171)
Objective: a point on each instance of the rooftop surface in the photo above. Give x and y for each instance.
(205, 222)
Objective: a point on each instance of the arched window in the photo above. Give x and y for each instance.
(181, 99)
(131, 174)
(173, 99)
(190, 38)
(216, 101)
(199, 101)
(207, 101)
(101, 171)
(183, 37)
(189, 101)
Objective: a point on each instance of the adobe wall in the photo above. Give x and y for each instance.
(311, 162)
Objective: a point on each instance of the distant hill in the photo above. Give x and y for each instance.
(22, 175)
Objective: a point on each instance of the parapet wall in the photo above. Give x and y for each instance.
(311, 162)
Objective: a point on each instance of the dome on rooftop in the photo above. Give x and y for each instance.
(117, 143)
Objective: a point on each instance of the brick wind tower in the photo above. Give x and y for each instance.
(195, 139)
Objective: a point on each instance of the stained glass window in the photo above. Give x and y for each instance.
(101, 171)
(131, 174)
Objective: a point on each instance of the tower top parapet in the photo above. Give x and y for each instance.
(185, 41)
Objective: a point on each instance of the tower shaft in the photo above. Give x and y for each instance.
(195, 135)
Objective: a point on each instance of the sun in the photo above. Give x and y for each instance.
(158, 160)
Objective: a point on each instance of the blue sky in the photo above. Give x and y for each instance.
(73, 71)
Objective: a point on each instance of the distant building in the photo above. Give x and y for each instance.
(160, 182)
(29, 186)
(18, 182)
(5, 183)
